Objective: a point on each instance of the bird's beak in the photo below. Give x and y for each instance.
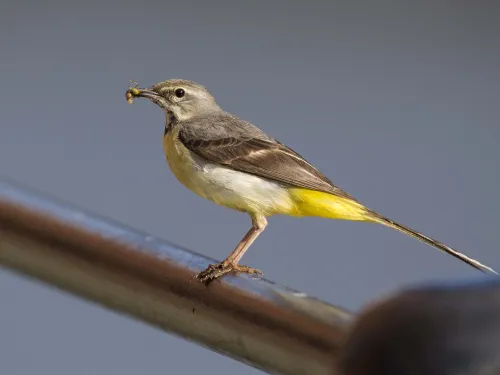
(135, 92)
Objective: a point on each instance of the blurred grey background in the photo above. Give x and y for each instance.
(397, 103)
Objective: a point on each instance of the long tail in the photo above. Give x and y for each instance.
(429, 241)
(315, 203)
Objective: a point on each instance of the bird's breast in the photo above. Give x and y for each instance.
(182, 162)
(223, 185)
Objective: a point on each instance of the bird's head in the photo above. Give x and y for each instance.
(181, 98)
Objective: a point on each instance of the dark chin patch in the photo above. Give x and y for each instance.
(169, 122)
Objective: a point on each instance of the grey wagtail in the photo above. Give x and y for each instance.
(235, 164)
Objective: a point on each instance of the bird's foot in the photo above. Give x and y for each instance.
(214, 271)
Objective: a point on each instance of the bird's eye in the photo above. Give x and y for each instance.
(179, 93)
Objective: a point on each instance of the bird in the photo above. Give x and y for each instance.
(235, 164)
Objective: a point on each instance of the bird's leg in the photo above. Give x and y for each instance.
(230, 264)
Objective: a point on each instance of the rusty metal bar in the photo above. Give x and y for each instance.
(254, 321)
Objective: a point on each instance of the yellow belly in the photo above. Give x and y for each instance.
(246, 192)
(316, 203)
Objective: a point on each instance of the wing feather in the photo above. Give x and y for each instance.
(247, 149)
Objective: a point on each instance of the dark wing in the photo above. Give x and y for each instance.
(258, 155)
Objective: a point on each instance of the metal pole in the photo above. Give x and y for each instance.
(254, 321)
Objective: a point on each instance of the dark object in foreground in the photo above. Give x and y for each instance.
(437, 330)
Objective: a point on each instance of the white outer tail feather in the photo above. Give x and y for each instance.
(429, 241)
